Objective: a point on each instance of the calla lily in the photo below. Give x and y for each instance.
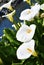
(7, 5)
(26, 33)
(29, 14)
(26, 50)
(42, 6)
(10, 16)
(42, 15)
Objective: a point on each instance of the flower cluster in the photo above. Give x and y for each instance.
(27, 39)
(26, 33)
(29, 14)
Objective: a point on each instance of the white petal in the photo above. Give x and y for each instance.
(25, 14)
(35, 9)
(22, 34)
(7, 5)
(42, 6)
(28, 14)
(22, 52)
(10, 14)
(33, 27)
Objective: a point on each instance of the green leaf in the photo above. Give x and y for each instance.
(11, 36)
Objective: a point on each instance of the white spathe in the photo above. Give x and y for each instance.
(7, 5)
(28, 14)
(42, 6)
(12, 13)
(10, 16)
(26, 33)
(23, 53)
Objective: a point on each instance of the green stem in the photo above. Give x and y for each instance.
(16, 25)
(43, 22)
(38, 34)
(18, 20)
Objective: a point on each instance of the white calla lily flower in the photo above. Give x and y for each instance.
(29, 14)
(26, 33)
(26, 50)
(9, 16)
(42, 6)
(7, 5)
